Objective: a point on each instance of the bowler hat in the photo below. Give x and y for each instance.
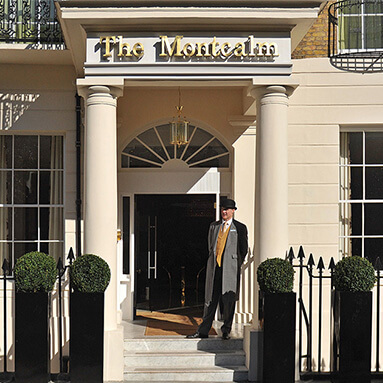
(228, 204)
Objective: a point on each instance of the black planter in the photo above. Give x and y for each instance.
(277, 313)
(86, 337)
(353, 324)
(31, 338)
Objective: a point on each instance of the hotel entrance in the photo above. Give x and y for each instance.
(171, 250)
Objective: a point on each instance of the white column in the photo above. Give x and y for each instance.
(100, 208)
(271, 211)
(271, 190)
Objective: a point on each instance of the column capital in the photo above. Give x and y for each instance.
(258, 91)
(112, 87)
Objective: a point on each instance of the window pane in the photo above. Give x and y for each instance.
(126, 235)
(25, 223)
(350, 32)
(373, 248)
(373, 219)
(44, 247)
(374, 183)
(137, 149)
(45, 152)
(374, 148)
(51, 223)
(373, 7)
(181, 149)
(164, 132)
(6, 253)
(54, 249)
(23, 248)
(356, 148)
(26, 152)
(221, 162)
(200, 138)
(150, 138)
(211, 150)
(5, 187)
(129, 162)
(47, 195)
(356, 183)
(51, 149)
(348, 8)
(373, 32)
(25, 187)
(5, 223)
(356, 246)
(356, 219)
(5, 152)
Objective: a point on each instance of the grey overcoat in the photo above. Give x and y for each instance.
(233, 256)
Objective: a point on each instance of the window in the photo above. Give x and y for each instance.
(152, 148)
(361, 194)
(360, 25)
(31, 196)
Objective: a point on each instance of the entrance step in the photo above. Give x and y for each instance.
(182, 344)
(184, 360)
(168, 373)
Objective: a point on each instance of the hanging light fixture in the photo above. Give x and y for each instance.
(179, 126)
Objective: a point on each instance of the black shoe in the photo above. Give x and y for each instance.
(225, 336)
(197, 335)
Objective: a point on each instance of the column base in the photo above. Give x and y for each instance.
(114, 355)
(252, 344)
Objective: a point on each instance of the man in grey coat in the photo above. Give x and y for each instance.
(227, 242)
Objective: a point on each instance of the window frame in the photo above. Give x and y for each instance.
(38, 205)
(345, 201)
(173, 152)
(363, 15)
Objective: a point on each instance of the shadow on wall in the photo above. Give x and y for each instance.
(13, 106)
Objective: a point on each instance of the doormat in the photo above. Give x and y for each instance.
(159, 324)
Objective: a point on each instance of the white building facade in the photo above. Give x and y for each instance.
(296, 143)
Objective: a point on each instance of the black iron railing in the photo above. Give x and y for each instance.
(57, 337)
(315, 321)
(355, 38)
(30, 21)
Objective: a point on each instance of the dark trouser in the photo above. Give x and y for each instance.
(209, 312)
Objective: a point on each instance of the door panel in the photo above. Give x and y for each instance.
(171, 249)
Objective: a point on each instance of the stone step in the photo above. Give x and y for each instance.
(203, 374)
(182, 358)
(183, 344)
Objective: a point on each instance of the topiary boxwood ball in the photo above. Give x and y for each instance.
(275, 275)
(35, 272)
(354, 274)
(90, 274)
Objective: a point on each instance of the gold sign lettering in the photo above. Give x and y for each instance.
(225, 52)
(107, 44)
(176, 48)
(214, 49)
(202, 47)
(124, 49)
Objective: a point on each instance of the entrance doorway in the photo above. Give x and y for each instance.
(171, 250)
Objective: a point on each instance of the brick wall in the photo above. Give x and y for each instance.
(314, 44)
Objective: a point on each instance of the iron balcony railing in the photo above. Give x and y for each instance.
(30, 21)
(355, 38)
